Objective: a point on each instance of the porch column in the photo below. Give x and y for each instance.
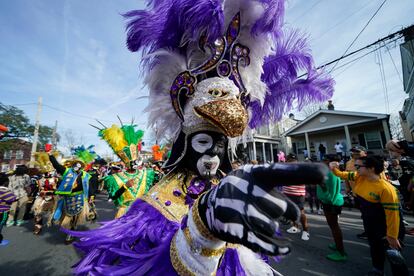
(271, 153)
(254, 149)
(348, 138)
(307, 144)
(386, 130)
(264, 152)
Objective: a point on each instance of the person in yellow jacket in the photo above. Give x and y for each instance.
(379, 205)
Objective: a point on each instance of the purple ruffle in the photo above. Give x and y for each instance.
(230, 264)
(137, 243)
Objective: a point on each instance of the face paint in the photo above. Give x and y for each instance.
(201, 142)
(206, 152)
(77, 167)
(207, 165)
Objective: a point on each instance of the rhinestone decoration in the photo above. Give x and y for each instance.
(236, 54)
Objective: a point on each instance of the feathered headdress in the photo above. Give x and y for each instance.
(85, 155)
(157, 152)
(220, 64)
(124, 141)
(42, 161)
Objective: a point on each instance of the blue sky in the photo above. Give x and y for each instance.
(73, 54)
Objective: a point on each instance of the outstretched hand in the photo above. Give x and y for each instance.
(245, 206)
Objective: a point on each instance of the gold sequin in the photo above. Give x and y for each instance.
(200, 224)
(176, 262)
(229, 115)
(206, 252)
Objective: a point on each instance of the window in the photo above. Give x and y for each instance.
(373, 140)
(7, 154)
(19, 154)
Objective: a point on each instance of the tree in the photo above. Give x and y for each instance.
(15, 120)
(71, 140)
(20, 127)
(395, 127)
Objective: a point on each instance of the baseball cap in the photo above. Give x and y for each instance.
(358, 149)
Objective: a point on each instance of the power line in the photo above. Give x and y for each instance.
(69, 113)
(341, 22)
(366, 25)
(393, 63)
(362, 56)
(308, 10)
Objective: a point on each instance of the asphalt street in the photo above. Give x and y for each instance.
(48, 255)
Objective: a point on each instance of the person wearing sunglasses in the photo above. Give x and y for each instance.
(379, 205)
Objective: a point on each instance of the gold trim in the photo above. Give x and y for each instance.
(176, 262)
(200, 224)
(206, 252)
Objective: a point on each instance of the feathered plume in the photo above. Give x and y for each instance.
(281, 75)
(114, 136)
(131, 135)
(86, 155)
(168, 34)
(124, 141)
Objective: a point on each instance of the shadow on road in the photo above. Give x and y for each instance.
(42, 265)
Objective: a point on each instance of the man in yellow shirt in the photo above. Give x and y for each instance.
(379, 205)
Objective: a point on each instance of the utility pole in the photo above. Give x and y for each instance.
(36, 132)
(54, 136)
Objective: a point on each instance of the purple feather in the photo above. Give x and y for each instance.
(272, 19)
(281, 75)
(165, 22)
(140, 240)
(230, 264)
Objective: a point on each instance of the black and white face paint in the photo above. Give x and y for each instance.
(76, 167)
(201, 142)
(206, 152)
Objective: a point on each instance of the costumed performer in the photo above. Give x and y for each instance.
(72, 207)
(126, 186)
(46, 185)
(197, 221)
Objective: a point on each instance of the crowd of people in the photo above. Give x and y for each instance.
(215, 70)
(379, 186)
(28, 195)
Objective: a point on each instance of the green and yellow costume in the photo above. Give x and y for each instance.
(125, 141)
(143, 180)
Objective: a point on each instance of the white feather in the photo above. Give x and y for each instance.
(253, 264)
(162, 117)
(260, 46)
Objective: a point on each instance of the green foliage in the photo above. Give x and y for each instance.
(15, 120)
(20, 127)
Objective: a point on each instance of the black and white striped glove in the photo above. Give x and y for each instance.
(244, 207)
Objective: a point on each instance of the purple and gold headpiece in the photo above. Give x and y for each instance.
(222, 65)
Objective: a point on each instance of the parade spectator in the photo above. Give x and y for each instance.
(313, 200)
(332, 202)
(6, 199)
(339, 150)
(356, 152)
(379, 205)
(398, 150)
(322, 151)
(297, 194)
(19, 184)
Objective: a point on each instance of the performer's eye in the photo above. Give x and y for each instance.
(217, 93)
(201, 142)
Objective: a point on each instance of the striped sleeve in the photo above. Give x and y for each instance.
(350, 176)
(7, 197)
(390, 203)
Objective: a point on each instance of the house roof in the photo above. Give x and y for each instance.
(364, 117)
